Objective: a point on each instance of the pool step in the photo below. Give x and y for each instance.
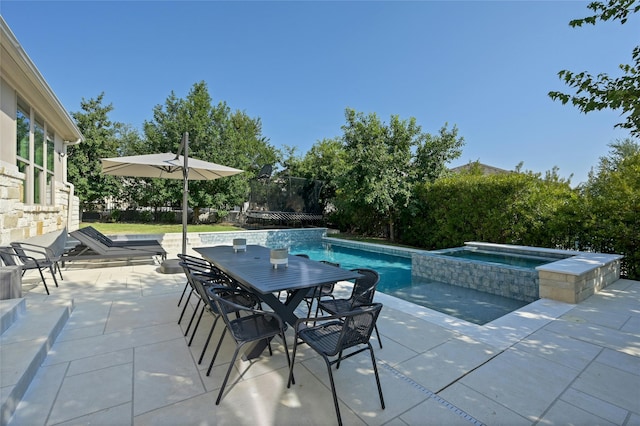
(28, 330)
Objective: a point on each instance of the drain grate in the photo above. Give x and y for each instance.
(438, 399)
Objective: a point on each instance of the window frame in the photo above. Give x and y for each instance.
(39, 166)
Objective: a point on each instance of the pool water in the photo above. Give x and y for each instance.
(503, 258)
(394, 271)
(396, 280)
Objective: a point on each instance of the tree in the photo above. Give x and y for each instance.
(162, 134)
(129, 141)
(85, 169)
(603, 92)
(381, 167)
(324, 162)
(216, 134)
(435, 152)
(611, 213)
(239, 144)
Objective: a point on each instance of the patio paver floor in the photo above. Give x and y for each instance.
(122, 359)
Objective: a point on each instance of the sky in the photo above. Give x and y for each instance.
(484, 66)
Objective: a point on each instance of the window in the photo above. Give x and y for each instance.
(50, 169)
(38, 169)
(23, 122)
(35, 156)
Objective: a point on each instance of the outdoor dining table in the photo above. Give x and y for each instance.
(253, 270)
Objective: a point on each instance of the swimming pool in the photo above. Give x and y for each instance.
(394, 271)
(396, 280)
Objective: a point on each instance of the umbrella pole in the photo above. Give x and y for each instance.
(185, 190)
(172, 266)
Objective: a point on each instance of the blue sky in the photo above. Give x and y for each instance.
(483, 66)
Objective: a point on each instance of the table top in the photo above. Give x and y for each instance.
(253, 268)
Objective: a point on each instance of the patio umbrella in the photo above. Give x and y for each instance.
(169, 166)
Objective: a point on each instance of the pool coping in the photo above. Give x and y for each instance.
(406, 252)
(575, 262)
(500, 333)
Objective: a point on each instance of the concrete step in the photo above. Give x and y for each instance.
(10, 310)
(31, 331)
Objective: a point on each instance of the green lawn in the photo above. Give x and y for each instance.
(155, 228)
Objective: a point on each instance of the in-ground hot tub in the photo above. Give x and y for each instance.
(520, 272)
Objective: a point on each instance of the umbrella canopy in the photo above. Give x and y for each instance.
(169, 166)
(165, 166)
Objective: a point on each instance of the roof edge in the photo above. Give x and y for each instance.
(13, 46)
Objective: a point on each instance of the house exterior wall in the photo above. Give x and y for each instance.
(28, 209)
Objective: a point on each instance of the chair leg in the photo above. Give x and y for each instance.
(286, 351)
(310, 305)
(226, 377)
(57, 266)
(206, 344)
(378, 335)
(43, 280)
(375, 370)
(195, 310)
(183, 292)
(293, 360)
(185, 306)
(53, 274)
(215, 354)
(195, 328)
(233, 360)
(333, 389)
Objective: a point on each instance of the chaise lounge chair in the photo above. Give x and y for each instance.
(95, 245)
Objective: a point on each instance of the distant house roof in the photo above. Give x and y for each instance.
(486, 169)
(18, 69)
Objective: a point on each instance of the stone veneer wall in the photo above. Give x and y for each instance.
(274, 238)
(574, 288)
(376, 248)
(513, 282)
(19, 221)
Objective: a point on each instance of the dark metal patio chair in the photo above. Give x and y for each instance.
(364, 288)
(248, 325)
(196, 261)
(203, 286)
(192, 265)
(336, 334)
(11, 256)
(316, 293)
(325, 290)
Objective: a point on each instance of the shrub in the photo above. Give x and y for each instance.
(146, 216)
(513, 208)
(611, 211)
(115, 215)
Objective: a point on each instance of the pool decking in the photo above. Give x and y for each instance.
(122, 359)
